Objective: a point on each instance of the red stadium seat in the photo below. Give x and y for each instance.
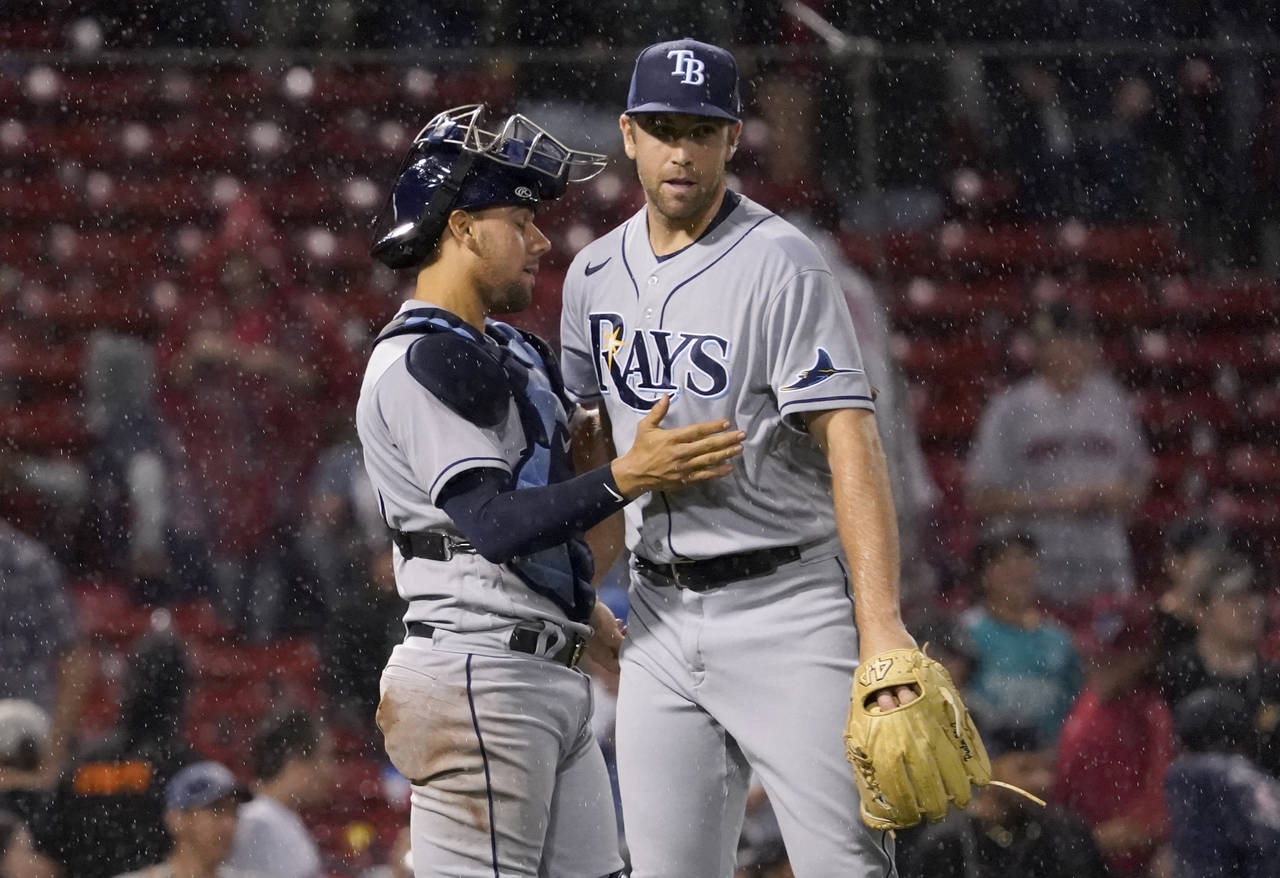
(1135, 250)
(1254, 466)
(925, 358)
(197, 620)
(956, 303)
(107, 613)
(367, 88)
(28, 360)
(1012, 249)
(49, 426)
(1117, 303)
(108, 93)
(1170, 418)
(1219, 302)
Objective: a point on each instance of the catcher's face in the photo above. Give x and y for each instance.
(508, 245)
(680, 160)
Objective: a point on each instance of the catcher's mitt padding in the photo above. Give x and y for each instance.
(910, 762)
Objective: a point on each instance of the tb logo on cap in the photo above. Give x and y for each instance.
(688, 66)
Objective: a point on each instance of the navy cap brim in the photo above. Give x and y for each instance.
(689, 110)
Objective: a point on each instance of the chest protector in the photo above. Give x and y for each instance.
(522, 368)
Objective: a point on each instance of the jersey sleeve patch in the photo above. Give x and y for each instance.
(463, 375)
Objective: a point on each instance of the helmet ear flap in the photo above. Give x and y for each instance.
(418, 208)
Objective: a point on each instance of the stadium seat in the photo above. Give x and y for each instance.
(1218, 303)
(49, 426)
(1133, 250)
(107, 613)
(1009, 249)
(956, 303)
(41, 200)
(1116, 303)
(55, 366)
(1254, 467)
(108, 93)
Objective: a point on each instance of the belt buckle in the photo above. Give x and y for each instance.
(450, 547)
(446, 547)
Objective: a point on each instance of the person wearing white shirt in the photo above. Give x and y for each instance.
(293, 761)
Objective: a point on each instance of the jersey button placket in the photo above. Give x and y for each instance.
(651, 298)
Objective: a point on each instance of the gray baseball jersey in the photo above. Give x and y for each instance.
(413, 445)
(506, 775)
(746, 324)
(1035, 440)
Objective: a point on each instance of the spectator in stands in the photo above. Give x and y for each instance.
(1025, 667)
(40, 651)
(1117, 742)
(360, 631)
(1231, 615)
(1060, 456)
(342, 518)
(1264, 160)
(248, 370)
(1223, 809)
(1041, 144)
(1209, 167)
(18, 855)
(1119, 153)
(201, 805)
(1190, 545)
(107, 813)
(141, 499)
(292, 760)
(24, 745)
(1003, 834)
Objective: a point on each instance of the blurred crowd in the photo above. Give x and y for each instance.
(1131, 684)
(987, 109)
(222, 473)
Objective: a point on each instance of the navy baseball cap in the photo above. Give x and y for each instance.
(686, 76)
(200, 785)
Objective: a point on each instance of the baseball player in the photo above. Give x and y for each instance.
(741, 649)
(467, 441)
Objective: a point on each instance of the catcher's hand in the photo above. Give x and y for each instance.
(911, 761)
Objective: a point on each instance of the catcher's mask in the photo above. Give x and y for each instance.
(454, 164)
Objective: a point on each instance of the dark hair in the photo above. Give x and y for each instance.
(1212, 720)
(993, 548)
(1226, 574)
(285, 736)
(1059, 319)
(1187, 534)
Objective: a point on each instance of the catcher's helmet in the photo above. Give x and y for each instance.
(454, 164)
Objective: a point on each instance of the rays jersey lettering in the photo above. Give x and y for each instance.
(642, 366)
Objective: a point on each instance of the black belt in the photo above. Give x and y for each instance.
(430, 544)
(522, 640)
(713, 572)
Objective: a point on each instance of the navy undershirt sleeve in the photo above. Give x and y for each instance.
(503, 523)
